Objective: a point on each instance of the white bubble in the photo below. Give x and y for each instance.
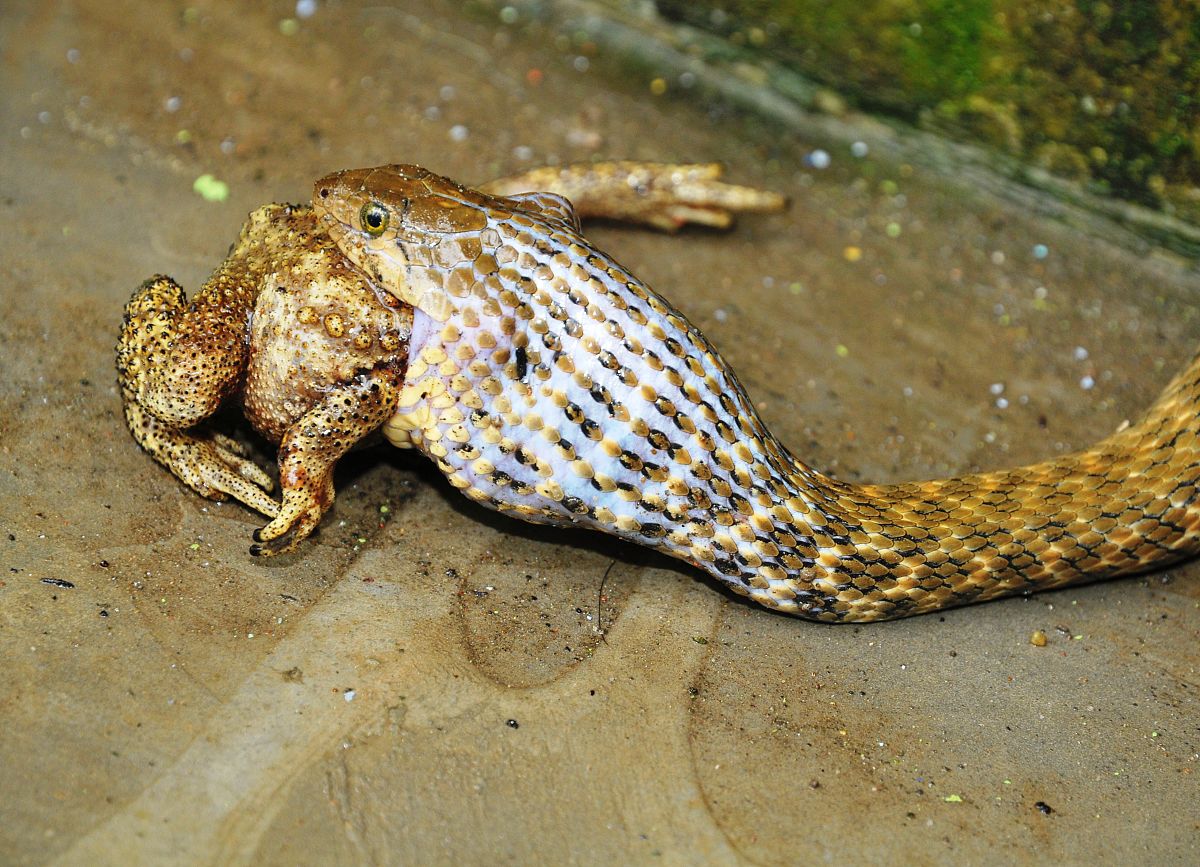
(306, 8)
(819, 159)
(860, 149)
(458, 132)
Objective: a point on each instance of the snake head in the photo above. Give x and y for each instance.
(401, 225)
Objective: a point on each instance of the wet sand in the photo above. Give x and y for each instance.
(426, 682)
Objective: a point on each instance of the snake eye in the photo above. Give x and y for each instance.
(374, 218)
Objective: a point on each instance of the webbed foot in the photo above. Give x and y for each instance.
(666, 196)
(211, 465)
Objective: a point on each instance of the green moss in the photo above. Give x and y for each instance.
(1106, 91)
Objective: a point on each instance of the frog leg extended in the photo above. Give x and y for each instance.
(666, 196)
(312, 446)
(176, 363)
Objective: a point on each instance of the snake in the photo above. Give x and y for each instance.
(549, 383)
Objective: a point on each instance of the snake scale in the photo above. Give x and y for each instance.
(551, 384)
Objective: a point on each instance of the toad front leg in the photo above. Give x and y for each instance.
(312, 447)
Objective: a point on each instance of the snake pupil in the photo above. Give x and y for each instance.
(374, 217)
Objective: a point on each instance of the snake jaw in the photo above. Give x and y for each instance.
(396, 258)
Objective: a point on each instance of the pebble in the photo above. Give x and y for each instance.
(210, 188)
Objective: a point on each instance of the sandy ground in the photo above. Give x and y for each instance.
(426, 682)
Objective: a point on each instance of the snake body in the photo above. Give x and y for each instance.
(549, 383)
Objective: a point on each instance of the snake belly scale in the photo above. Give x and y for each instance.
(551, 384)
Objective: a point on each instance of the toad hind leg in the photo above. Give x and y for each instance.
(314, 444)
(163, 395)
(665, 196)
(209, 466)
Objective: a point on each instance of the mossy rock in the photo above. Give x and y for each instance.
(1107, 92)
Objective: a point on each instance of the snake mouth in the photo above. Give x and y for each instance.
(423, 329)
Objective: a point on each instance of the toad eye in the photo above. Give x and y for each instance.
(374, 218)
